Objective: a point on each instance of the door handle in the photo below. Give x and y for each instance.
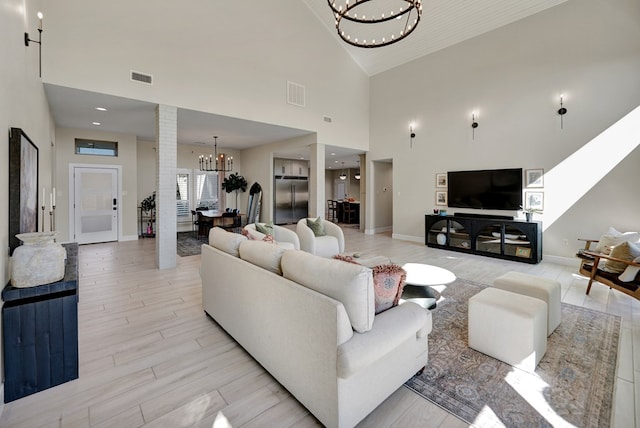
(114, 201)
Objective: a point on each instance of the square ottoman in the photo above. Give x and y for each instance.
(545, 289)
(508, 326)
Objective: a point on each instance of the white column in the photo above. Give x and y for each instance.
(166, 163)
(316, 181)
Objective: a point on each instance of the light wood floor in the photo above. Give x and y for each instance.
(150, 357)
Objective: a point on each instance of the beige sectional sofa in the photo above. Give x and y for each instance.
(310, 322)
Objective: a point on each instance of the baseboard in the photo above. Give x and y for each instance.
(408, 237)
(128, 238)
(559, 260)
(378, 230)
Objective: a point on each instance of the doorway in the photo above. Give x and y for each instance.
(383, 196)
(95, 204)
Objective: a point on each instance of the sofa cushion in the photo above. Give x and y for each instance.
(225, 241)
(625, 251)
(350, 284)
(316, 226)
(630, 272)
(262, 254)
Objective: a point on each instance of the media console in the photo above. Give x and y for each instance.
(502, 238)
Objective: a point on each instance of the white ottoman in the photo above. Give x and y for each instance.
(545, 289)
(508, 326)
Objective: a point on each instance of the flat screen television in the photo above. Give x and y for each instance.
(494, 189)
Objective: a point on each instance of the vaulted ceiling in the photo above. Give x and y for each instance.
(444, 23)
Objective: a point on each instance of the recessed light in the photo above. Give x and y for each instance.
(101, 109)
(96, 123)
(335, 161)
(333, 154)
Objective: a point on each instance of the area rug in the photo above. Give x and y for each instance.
(188, 244)
(572, 386)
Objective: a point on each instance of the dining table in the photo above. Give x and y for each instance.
(212, 218)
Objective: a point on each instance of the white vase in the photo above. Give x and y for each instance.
(441, 239)
(39, 260)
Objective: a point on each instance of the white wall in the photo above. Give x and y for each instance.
(588, 49)
(22, 105)
(229, 58)
(65, 155)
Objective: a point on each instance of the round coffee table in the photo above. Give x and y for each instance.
(420, 280)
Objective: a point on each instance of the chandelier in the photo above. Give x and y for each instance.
(391, 25)
(220, 163)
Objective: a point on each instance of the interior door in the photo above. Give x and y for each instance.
(95, 205)
(340, 190)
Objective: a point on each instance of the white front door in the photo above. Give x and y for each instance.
(95, 205)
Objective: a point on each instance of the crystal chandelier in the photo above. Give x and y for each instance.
(371, 24)
(220, 163)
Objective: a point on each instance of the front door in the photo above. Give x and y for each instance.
(95, 205)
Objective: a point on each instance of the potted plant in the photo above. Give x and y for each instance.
(148, 204)
(234, 182)
(529, 212)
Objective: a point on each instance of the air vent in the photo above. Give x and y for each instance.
(295, 94)
(141, 77)
(327, 119)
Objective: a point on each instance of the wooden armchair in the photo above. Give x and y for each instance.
(589, 261)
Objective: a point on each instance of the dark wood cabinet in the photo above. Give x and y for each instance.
(40, 333)
(507, 239)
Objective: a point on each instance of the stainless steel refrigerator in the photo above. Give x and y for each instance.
(291, 199)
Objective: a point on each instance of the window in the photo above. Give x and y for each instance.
(208, 190)
(182, 195)
(96, 147)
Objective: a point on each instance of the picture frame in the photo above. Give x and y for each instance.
(534, 178)
(441, 198)
(23, 186)
(441, 180)
(534, 201)
(523, 252)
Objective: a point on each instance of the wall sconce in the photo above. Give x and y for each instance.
(474, 125)
(562, 111)
(412, 135)
(39, 41)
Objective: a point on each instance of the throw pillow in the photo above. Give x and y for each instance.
(317, 226)
(388, 284)
(612, 237)
(630, 272)
(625, 251)
(347, 259)
(266, 228)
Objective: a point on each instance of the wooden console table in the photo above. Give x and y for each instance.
(40, 333)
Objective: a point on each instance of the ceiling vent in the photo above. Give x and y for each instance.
(295, 94)
(141, 77)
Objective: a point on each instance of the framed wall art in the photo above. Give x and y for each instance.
(534, 201)
(441, 180)
(23, 186)
(534, 178)
(441, 198)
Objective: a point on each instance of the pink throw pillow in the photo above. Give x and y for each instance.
(388, 284)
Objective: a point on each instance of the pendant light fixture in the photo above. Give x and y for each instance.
(375, 23)
(222, 163)
(343, 175)
(357, 174)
